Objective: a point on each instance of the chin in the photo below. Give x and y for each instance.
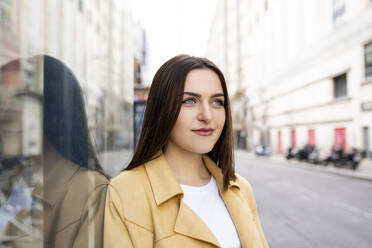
(201, 149)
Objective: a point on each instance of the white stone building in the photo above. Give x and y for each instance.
(306, 72)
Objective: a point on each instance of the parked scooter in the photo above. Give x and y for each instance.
(291, 153)
(309, 153)
(338, 158)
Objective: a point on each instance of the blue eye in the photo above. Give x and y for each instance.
(218, 102)
(189, 101)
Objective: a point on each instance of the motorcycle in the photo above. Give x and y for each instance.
(338, 158)
(291, 153)
(309, 153)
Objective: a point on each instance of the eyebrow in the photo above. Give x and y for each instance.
(199, 96)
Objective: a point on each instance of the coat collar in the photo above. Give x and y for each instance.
(165, 185)
(217, 173)
(163, 182)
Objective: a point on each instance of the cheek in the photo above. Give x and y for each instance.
(182, 122)
(185, 118)
(220, 118)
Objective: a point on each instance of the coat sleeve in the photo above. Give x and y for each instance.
(115, 230)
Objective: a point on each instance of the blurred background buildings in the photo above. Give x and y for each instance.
(299, 72)
(94, 39)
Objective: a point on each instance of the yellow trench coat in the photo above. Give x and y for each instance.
(144, 208)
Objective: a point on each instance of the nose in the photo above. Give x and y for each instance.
(205, 114)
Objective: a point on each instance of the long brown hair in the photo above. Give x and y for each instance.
(162, 109)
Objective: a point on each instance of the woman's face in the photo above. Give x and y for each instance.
(202, 115)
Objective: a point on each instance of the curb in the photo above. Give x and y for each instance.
(319, 168)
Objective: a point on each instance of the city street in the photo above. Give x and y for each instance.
(304, 208)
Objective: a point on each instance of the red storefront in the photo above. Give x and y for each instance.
(311, 136)
(340, 138)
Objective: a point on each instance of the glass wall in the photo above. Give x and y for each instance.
(66, 117)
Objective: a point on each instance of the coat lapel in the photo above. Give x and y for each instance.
(238, 208)
(188, 223)
(241, 215)
(165, 186)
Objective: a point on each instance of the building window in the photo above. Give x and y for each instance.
(340, 86)
(368, 59)
(80, 2)
(338, 10)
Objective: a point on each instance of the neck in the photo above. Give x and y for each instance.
(187, 167)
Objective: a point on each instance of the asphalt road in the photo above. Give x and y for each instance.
(302, 208)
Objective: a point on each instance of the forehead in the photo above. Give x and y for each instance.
(203, 81)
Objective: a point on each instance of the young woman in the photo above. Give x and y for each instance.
(180, 189)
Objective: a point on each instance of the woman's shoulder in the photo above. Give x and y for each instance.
(245, 186)
(130, 193)
(130, 185)
(132, 177)
(242, 182)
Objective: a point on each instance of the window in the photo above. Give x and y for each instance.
(340, 86)
(338, 10)
(80, 5)
(368, 59)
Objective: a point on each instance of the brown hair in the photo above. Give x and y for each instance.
(162, 109)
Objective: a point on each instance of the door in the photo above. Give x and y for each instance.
(311, 137)
(293, 138)
(340, 138)
(280, 148)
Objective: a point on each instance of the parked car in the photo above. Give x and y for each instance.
(262, 150)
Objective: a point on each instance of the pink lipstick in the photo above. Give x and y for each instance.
(204, 131)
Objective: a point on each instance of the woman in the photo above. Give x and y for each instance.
(180, 189)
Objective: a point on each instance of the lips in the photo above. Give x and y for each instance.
(204, 131)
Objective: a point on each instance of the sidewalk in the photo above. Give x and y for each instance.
(364, 171)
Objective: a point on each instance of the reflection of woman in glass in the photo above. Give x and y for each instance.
(74, 188)
(180, 189)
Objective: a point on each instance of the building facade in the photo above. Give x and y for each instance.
(306, 73)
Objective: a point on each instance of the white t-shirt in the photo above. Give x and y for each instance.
(207, 203)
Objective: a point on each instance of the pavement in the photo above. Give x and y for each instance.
(364, 171)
